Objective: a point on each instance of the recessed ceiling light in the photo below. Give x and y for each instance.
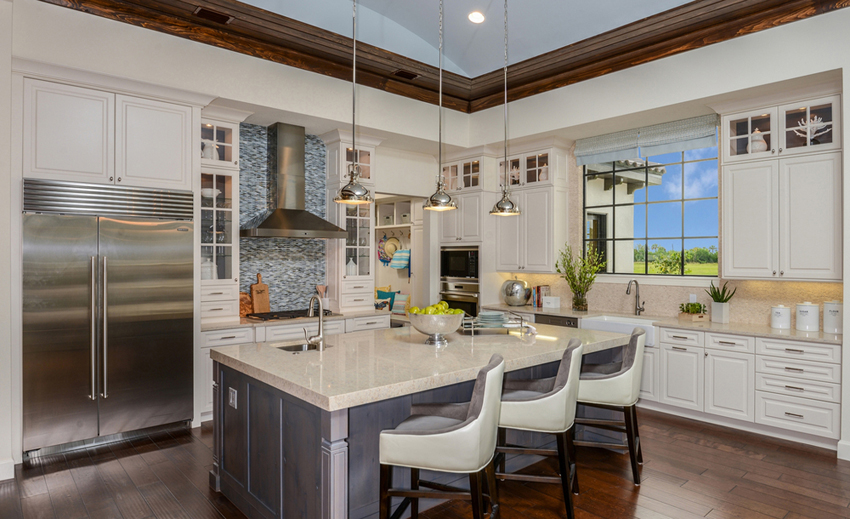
(476, 17)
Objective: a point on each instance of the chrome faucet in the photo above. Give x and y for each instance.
(317, 340)
(639, 307)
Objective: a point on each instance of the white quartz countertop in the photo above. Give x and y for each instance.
(564, 311)
(752, 330)
(253, 323)
(363, 367)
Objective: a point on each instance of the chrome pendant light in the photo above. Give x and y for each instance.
(353, 193)
(440, 201)
(506, 206)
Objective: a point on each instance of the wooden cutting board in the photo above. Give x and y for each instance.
(260, 295)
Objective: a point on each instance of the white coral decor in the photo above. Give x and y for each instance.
(817, 126)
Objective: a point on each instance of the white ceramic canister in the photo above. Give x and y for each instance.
(808, 317)
(780, 317)
(833, 316)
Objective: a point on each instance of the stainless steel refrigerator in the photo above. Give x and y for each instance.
(107, 311)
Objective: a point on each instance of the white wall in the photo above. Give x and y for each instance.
(405, 172)
(6, 424)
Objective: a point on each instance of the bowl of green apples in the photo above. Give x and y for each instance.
(436, 321)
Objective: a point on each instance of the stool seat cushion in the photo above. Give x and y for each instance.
(519, 395)
(617, 383)
(589, 371)
(421, 424)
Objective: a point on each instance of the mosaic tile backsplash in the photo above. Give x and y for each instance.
(290, 267)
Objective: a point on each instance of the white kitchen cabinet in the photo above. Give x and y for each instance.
(730, 384)
(341, 155)
(782, 219)
(219, 144)
(69, 133)
(207, 362)
(359, 324)
(749, 135)
(296, 332)
(464, 224)
(682, 379)
(528, 242)
(799, 414)
(153, 144)
(536, 168)
(649, 377)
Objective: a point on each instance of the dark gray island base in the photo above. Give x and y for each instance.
(280, 456)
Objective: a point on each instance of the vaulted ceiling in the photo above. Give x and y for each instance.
(553, 43)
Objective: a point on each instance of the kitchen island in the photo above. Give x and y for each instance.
(296, 434)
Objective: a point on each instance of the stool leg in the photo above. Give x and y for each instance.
(637, 435)
(501, 441)
(630, 437)
(414, 485)
(386, 482)
(477, 496)
(564, 467)
(492, 488)
(571, 450)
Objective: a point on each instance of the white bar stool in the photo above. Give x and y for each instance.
(549, 406)
(458, 438)
(616, 386)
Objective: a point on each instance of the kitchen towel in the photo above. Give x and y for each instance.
(401, 259)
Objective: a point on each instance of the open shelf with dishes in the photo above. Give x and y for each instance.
(218, 230)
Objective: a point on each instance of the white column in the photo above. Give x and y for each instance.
(6, 189)
(844, 443)
(334, 492)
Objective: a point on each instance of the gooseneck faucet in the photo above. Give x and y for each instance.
(639, 307)
(319, 339)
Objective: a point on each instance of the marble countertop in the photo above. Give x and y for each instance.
(564, 311)
(252, 323)
(363, 367)
(752, 330)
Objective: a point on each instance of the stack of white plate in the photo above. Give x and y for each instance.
(490, 318)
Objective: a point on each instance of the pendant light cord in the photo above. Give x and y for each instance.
(440, 103)
(507, 165)
(353, 85)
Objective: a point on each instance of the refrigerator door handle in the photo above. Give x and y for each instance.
(93, 394)
(105, 393)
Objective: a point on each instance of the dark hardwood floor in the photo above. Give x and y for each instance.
(691, 470)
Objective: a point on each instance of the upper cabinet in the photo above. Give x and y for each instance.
(219, 144)
(341, 155)
(538, 168)
(528, 242)
(88, 135)
(464, 224)
(779, 131)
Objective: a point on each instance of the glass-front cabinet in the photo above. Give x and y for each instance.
(219, 221)
(514, 171)
(364, 160)
(531, 169)
(463, 175)
(358, 242)
(219, 143)
(750, 135)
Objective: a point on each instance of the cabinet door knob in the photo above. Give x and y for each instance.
(780, 150)
(781, 272)
(119, 179)
(773, 150)
(774, 272)
(111, 179)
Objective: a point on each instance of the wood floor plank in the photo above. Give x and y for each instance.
(30, 479)
(37, 507)
(127, 497)
(93, 491)
(10, 499)
(162, 502)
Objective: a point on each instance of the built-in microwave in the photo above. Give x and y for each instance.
(459, 263)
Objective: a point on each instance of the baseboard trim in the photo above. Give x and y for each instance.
(766, 430)
(7, 469)
(844, 450)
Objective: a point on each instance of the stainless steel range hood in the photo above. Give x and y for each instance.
(290, 219)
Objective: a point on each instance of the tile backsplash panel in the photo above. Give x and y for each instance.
(290, 267)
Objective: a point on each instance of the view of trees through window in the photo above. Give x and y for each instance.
(654, 216)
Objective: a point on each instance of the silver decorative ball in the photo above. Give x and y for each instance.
(516, 292)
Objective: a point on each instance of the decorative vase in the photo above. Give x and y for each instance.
(580, 302)
(757, 143)
(719, 312)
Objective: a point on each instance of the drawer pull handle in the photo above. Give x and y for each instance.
(228, 337)
(371, 322)
(680, 337)
(792, 350)
(727, 343)
(216, 309)
(216, 293)
(794, 388)
(358, 299)
(794, 415)
(795, 370)
(359, 287)
(679, 349)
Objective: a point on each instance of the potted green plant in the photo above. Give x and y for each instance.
(720, 302)
(692, 312)
(579, 273)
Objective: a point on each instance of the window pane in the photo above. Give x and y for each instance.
(639, 257)
(623, 257)
(630, 186)
(597, 190)
(665, 257)
(597, 224)
(667, 158)
(702, 153)
(631, 221)
(665, 220)
(701, 218)
(701, 179)
(665, 183)
(701, 257)
(605, 248)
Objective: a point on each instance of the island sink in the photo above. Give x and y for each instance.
(620, 324)
(298, 348)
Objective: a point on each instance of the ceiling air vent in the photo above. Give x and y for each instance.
(406, 74)
(213, 16)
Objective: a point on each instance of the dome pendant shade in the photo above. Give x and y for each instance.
(353, 193)
(440, 201)
(505, 207)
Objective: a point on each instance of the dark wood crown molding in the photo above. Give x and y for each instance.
(259, 33)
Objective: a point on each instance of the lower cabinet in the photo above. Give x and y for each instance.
(649, 378)
(682, 376)
(294, 332)
(729, 384)
(360, 324)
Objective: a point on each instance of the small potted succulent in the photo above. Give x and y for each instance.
(692, 312)
(720, 302)
(579, 273)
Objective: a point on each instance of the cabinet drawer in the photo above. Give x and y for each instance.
(294, 332)
(357, 287)
(360, 324)
(814, 371)
(719, 341)
(799, 350)
(366, 299)
(801, 388)
(798, 414)
(213, 309)
(219, 293)
(684, 337)
(227, 337)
